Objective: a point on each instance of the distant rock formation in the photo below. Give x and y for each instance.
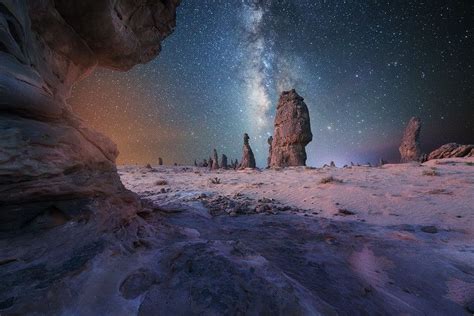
(215, 160)
(248, 159)
(292, 131)
(452, 150)
(410, 146)
(224, 163)
(160, 161)
(332, 164)
(235, 164)
(269, 159)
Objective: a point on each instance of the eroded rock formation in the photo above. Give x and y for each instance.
(410, 146)
(292, 131)
(452, 150)
(48, 153)
(248, 159)
(61, 199)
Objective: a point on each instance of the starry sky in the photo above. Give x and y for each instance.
(363, 67)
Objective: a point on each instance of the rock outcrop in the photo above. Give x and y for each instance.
(292, 131)
(248, 159)
(410, 146)
(452, 150)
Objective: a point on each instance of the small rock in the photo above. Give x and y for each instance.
(137, 283)
(429, 229)
(345, 212)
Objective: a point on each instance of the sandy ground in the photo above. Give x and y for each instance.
(396, 239)
(439, 192)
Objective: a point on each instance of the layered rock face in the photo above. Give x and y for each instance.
(49, 159)
(292, 131)
(452, 150)
(248, 159)
(410, 146)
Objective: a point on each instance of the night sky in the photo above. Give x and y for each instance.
(363, 67)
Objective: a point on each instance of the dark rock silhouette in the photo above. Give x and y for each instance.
(205, 163)
(160, 161)
(248, 159)
(452, 150)
(224, 163)
(332, 164)
(410, 146)
(292, 131)
(269, 159)
(215, 160)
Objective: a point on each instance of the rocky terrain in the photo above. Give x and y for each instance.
(389, 240)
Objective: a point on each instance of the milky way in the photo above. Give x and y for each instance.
(363, 67)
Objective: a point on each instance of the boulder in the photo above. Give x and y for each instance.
(292, 131)
(410, 146)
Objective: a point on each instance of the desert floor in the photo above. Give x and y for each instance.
(393, 239)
